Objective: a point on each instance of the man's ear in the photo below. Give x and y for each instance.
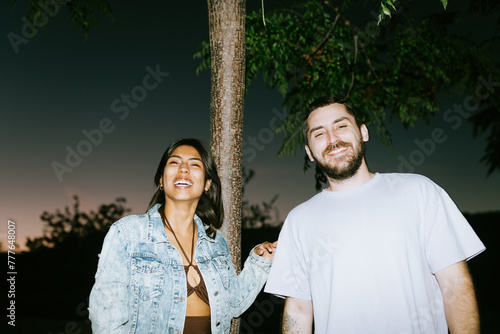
(308, 152)
(364, 133)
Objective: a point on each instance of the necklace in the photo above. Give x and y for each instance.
(167, 224)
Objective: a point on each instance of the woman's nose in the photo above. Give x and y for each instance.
(184, 168)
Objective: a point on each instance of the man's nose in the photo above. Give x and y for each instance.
(333, 137)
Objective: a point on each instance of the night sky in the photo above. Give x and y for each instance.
(121, 97)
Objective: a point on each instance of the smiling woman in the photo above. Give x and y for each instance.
(184, 182)
(209, 205)
(170, 268)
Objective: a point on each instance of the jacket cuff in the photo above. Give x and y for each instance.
(260, 261)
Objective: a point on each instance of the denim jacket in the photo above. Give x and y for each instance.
(140, 284)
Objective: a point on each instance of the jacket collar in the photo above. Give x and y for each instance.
(156, 230)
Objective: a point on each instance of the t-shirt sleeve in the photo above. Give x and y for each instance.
(289, 276)
(450, 238)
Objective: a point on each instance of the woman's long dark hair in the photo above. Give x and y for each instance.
(209, 209)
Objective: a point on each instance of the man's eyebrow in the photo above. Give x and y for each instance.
(338, 120)
(316, 128)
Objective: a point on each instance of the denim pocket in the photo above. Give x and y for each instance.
(222, 265)
(147, 276)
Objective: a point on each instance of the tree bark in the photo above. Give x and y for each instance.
(227, 52)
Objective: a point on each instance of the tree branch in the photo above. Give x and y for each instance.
(325, 38)
(291, 11)
(372, 70)
(263, 17)
(368, 61)
(355, 61)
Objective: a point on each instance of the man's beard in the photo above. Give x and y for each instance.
(346, 166)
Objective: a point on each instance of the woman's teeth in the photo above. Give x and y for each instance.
(183, 183)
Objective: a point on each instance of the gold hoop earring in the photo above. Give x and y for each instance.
(161, 187)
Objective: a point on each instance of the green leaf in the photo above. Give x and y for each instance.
(392, 4)
(386, 11)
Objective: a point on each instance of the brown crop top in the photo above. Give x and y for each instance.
(197, 325)
(200, 289)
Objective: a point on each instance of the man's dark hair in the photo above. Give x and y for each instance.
(210, 209)
(326, 101)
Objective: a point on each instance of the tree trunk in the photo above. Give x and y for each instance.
(227, 52)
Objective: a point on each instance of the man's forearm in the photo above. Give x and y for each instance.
(459, 299)
(461, 310)
(297, 317)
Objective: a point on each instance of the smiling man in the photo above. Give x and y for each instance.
(374, 252)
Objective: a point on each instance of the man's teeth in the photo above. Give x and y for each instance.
(183, 183)
(340, 149)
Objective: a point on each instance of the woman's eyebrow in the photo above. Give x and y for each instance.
(179, 157)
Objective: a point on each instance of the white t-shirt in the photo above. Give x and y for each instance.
(366, 256)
